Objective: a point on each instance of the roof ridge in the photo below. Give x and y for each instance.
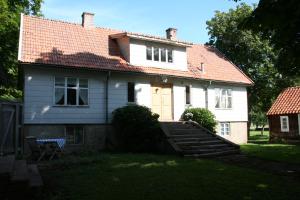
(54, 20)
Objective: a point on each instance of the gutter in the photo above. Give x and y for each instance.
(20, 38)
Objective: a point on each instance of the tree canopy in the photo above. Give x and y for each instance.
(250, 51)
(10, 11)
(279, 22)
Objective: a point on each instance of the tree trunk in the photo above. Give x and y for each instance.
(262, 129)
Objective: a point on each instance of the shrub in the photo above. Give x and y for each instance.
(137, 128)
(202, 116)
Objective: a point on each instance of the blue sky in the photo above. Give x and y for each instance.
(150, 17)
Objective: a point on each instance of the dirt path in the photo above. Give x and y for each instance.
(274, 167)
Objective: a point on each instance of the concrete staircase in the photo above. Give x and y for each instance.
(17, 177)
(191, 140)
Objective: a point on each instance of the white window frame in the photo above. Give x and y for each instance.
(226, 97)
(74, 135)
(65, 87)
(223, 127)
(287, 128)
(159, 54)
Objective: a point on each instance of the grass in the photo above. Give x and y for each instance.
(144, 176)
(258, 146)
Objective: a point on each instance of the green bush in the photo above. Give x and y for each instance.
(202, 116)
(137, 128)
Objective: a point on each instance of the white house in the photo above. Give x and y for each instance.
(75, 75)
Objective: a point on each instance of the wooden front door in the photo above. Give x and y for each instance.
(162, 101)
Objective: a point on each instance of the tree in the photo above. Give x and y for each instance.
(10, 11)
(279, 22)
(258, 118)
(251, 52)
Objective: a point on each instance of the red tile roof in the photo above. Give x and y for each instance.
(70, 45)
(288, 102)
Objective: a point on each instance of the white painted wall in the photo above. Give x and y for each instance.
(239, 110)
(138, 55)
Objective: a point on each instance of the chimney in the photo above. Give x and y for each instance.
(171, 33)
(87, 20)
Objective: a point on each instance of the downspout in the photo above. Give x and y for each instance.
(106, 96)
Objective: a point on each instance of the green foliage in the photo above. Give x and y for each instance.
(258, 118)
(137, 128)
(279, 21)
(254, 54)
(9, 35)
(202, 116)
(10, 94)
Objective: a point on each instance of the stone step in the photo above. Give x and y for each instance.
(191, 136)
(20, 171)
(201, 151)
(186, 131)
(35, 179)
(7, 165)
(213, 154)
(191, 139)
(189, 147)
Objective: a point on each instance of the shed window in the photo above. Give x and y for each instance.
(187, 94)
(74, 135)
(284, 123)
(224, 128)
(130, 92)
(71, 91)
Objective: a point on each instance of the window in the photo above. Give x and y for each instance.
(223, 98)
(187, 94)
(149, 53)
(170, 56)
(284, 123)
(224, 128)
(71, 91)
(130, 92)
(74, 135)
(163, 55)
(159, 54)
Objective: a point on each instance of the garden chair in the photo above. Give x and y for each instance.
(38, 152)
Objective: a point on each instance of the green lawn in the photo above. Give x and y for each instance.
(258, 146)
(144, 176)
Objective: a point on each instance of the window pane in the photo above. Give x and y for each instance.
(83, 97)
(70, 137)
(229, 102)
(163, 55)
(229, 92)
(59, 81)
(71, 82)
(156, 54)
(149, 53)
(59, 96)
(187, 95)
(170, 55)
(71, 96)
(223, 101)
(130, 92)
(79, 135)
(217, 98)
(83, 83)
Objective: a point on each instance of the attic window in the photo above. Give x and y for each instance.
(159, 54)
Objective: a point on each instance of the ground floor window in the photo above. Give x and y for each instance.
(284, 123)
(224, 128)
(74, 135)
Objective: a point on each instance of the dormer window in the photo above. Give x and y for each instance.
(159, 54)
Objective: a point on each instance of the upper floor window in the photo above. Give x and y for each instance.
(223, 98)
(71, 91)
(284, 123)
(130, 92)
(159, 54)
